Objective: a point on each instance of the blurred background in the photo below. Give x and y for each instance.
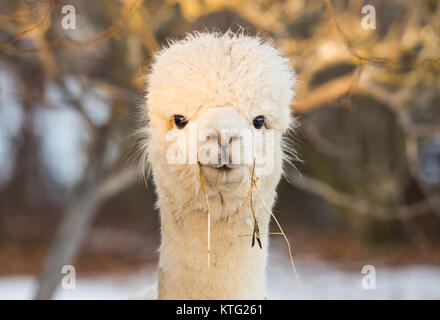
(368, 101)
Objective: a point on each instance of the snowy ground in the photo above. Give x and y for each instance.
(319, 281)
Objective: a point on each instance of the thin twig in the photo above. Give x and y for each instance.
(205, 193)
(284, 236)
(111, 31)
(256, 232)
(264, 234)
(247, 198)
(363, 206)
(30, 28)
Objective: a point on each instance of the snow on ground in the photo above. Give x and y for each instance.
(319, 281)
(322, 281)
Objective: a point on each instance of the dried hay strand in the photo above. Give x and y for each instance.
(205, 193)
(256, 232)
(284, 236)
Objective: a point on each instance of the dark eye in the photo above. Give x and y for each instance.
(180, 121)
(258, 122)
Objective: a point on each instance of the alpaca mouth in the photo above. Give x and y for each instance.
(226, 174)
(224, 168)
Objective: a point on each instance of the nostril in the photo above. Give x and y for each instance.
(211, 137)
(222, 137)
(234, 138)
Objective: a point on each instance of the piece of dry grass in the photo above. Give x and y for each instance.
(246, 199)
(205, 193)
(284, 236)
(264, 234)
(256, 231)
(273, 233)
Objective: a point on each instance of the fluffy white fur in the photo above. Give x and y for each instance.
(205, 76)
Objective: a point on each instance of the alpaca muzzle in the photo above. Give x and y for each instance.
(220, 138)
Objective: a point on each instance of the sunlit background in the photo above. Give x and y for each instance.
(368, 102)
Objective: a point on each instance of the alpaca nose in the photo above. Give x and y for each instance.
(220, 136)
(227, 142)
(224, 138)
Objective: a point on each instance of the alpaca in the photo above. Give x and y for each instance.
(219, 82)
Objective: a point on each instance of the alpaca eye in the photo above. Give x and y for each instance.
(180, 121)
(258, 122)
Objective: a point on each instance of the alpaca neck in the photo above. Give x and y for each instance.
(236, 270)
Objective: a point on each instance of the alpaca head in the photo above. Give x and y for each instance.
(223, 100)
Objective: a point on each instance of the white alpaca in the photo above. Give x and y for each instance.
(219, 81)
